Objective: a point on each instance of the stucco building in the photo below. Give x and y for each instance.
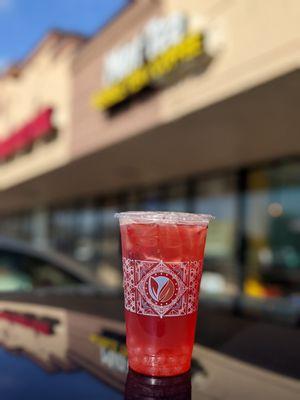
(176, 105)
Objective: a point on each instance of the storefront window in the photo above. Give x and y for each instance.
(151, 200)
(89, 233)
(18, 226)
(131, 202)
(85, 227)
(171, 197)
(176, 198)
(63, 230)
(218, 196)
(273, 231)
(269, 218)
(108, 264)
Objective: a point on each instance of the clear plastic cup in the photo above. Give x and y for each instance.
(162, 268)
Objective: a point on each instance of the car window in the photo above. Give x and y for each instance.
(22, 272)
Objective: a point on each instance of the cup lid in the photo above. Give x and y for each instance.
(163, 217)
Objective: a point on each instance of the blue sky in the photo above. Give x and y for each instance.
(24, 22)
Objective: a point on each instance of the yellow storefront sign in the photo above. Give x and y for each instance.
(188, 49)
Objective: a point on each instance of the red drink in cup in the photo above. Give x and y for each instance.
(162, 267)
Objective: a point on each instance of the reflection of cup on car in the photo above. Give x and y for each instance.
(144, 387)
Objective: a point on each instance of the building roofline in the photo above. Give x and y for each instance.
(16, 68)
(113, 18)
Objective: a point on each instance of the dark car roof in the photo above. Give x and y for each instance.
(245, 348)
(245, 338)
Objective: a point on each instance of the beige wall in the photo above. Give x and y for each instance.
(257, 40)
(241, 110)
(250, 42)
(44, 81)
(92, 128)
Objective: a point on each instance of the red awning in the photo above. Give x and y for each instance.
(20, 139)
(6, 147)
(39, 126)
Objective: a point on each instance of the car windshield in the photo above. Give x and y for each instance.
(22, 272)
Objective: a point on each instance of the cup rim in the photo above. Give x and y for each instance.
(163, 217)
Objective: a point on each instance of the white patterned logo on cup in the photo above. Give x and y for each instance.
(158, 288)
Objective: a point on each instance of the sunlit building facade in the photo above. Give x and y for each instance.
(185, 106)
